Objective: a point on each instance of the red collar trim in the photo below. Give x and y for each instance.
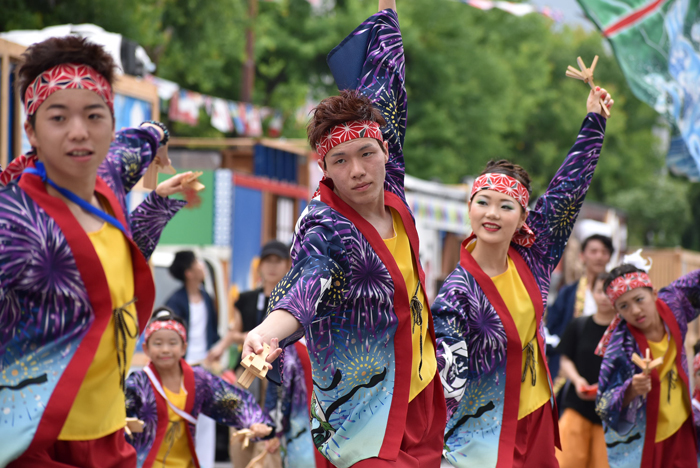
(93, 276)
(403, 344)
(514, 347)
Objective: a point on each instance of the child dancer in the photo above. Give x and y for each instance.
(74, 287)
(648, 417)
(168, 395)
(488, 313)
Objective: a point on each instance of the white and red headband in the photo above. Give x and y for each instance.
(173, 325)
(510, 186)
(348, 131)
(66, 76)
(627, 282)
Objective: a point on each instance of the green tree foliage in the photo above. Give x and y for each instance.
(482, 85)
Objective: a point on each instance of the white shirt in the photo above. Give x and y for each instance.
(589, 305)
(197, 333)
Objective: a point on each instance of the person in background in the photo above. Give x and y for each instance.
(576, 299)
(196, 308)
(249, 311)
(168, 395)
(580, 428)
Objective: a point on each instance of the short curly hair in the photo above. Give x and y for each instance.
(335, 110)
(54, 51)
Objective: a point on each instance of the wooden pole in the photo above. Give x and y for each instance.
(5, 116)
(248, 81)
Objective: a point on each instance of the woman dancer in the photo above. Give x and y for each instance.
(488, 313)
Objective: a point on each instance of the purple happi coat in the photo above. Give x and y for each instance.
(345, 287)
(630, 432)
(206, 393)
(479, 350)
(54, 297)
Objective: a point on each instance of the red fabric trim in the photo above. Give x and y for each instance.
(93, 276)
(267, 185)
(632, 18)
(511, 400)
(303, 353)
(162, 412)
(652, 405)
(535, 294)
(403, 344)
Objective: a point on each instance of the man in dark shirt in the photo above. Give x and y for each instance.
(581, 431)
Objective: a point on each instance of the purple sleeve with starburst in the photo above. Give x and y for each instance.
(225, 403)
(149, 219)
(556, 211)
(683, 297)
(615, 376)
(141, 404)
(129, 156)
(371, 60)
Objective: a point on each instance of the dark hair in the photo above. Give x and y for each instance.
(181, 263)
(621, 271)
(600, 277)
(335, 110)
(503, 166)
(164, 314)
(605, 240)
(47, 54)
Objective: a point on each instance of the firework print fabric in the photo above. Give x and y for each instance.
(207, 394)
(288, 407)
(54, 297)
(628, 428)
(354, 315)
(472, 340)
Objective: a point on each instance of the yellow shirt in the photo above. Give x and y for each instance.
(174, 451)
(516, 298)
(400, 248)
(674, 412)
(99, 408)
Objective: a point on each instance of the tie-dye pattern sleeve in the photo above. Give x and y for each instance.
(129, 156)
(227, 404)
(556, 211)
(149, 219)
(371, 60)
(615, 376)
(451, 329)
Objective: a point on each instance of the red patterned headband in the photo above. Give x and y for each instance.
(66, 76)
(504, 184)
(348, 131)
(627, 282)
(510, 186)
(166, 325)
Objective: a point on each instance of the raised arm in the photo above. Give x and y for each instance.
(371, 60)
(556, 211)
(683, 295)
(130, 154)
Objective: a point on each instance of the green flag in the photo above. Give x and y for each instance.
(656, 43)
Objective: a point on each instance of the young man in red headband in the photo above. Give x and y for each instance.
(648, 416)
(75, 289)
(355, 290)
(168, 395)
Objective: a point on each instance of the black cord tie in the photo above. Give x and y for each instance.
(121, 333)
(672, 379)
(417, 313)
(530, 362)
